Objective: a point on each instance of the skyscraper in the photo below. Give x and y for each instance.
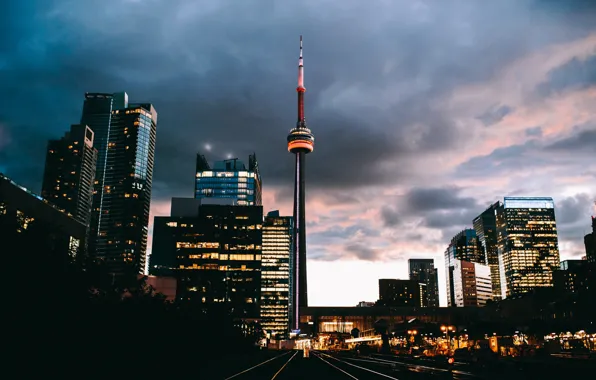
(527, 244)
(464, 246)
(229, 179)
(590, 243)
(97, 115)
(127, 180)
(70, 171)
(424, 271)
(472, 285)
(485, 225)
(275, 273)
(300, 142)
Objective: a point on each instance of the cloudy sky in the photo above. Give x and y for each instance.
(424, 112)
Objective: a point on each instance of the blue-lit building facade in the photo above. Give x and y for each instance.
(485, 225)
(527, 244)
(464, 246)
(123, 226)
(229, 179)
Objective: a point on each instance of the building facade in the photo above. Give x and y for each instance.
(575, 277)
(30, 226)
(424, 271)
(472, 285)
(464, 246)
(275, 273)
(229, 179)
(396, 293)
(527, 244)
(215, 256)
(97, 115)
(485, 226)
(70, 172)
(127, 179)
(590, 243)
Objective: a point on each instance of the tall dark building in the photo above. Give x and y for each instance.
(300, 142)
(590, 243)
(424, 271)
(97, 115)
(575, 276)
(275, 273)
(229, 179)
(464, 246)
(485, 225)
(124, 217)
(400, 293)
(527, 243)
(30, 225)
(70, 171)
(215, 254)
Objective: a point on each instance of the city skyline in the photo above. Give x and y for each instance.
(435, 137)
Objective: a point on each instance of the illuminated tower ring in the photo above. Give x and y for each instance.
(301, 140)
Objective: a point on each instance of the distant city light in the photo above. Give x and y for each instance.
(208, 147)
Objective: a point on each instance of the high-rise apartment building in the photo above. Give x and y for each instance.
(126, 195)
(527, 244)
(229, 179)
(97, 115)
(393, 292)
(464, 246)
(472, 285)
(424, 271)
(485, 225)
(590, 243)
(70, 172)
(215, 253)
(275, 273)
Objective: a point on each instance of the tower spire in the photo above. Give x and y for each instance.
(301, 89)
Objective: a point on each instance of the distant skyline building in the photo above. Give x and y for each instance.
(464, 246)
(575, 277)
(214, 250)
(398, 293)
(97, 115)
(424, 271)
(126, 197)
(300, 142)
(527, 244)
(590, 243)
(275, 273)
(229, 179)
(69, 172)
(486, 229)
(472, 285)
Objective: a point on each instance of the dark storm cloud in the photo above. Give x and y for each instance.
(223, 73)
(390, 216)
(429, 199)
(582, 141)
(495, 114)
(574, 209)
(364, 251)
(576, 74)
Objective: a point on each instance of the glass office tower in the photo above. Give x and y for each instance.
(97, 115)
(472, 285)
(527, 244)
(275, 273)
(464, 246)
(70, 172)
(485, 225)
(128, 175)
(229, 179)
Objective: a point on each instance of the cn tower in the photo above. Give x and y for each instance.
(300, 142)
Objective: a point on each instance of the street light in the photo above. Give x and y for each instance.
(446, 330)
